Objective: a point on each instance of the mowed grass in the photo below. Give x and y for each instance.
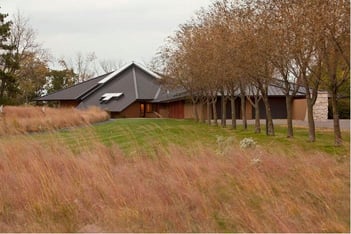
(163, 175)
(144, 136)
(147, 136)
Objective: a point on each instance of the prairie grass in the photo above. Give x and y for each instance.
(50, 187)
(146, 175)
(24, 119)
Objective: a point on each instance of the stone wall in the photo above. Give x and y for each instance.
(320, 109)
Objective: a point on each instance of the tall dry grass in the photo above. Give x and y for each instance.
(23, 119)
(48, 188)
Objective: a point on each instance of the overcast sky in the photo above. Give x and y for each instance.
(114, 29)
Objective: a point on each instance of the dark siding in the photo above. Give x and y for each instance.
(278, 108)
(229, 108)
(176, 110)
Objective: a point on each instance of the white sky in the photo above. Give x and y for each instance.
(114, 29)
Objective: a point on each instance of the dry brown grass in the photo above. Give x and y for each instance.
(48, 188)
(23, 119)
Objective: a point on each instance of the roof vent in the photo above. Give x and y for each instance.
(108, 96)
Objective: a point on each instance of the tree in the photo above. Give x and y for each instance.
(31, 78)
(109, 65)
(8, 62)
(178, 59)
(254, 67)
(306, 56)
(279, 26)
(83, 65)
(334, 47)
(32, 60)
(59, 79)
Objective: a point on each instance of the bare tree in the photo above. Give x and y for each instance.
(83, 65)
(109, 65)
(254, 97)
(306, 56)
(254, 66)
(334, 31)
(32, 59)
(279, 25)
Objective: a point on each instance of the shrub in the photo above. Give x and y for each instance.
(224, 144)
(247, 143)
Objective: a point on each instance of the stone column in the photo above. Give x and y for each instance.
(320, 109)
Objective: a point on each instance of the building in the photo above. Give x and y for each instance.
(134, 91)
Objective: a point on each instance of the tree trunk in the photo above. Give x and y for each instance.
(208, 112)
(196, 114)
(269, 119)
(243, 110)
(232, 102)
(2, 89)
(202, 110)
(311, 125)
(214, 109)
(257, 116)
(289, 100)
(224, 111)
(337, 132)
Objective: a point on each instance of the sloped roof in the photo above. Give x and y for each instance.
(274, 90)
(74, 92)
(83, 90)
(166, 95)
(133, 80)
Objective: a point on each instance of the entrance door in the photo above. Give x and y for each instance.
(142, 110)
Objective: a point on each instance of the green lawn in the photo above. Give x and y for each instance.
(147, 135)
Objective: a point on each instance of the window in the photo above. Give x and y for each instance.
(142, 108)
(148, 108)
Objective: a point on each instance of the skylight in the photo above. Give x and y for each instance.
(108, 96)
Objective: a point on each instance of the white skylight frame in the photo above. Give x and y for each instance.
(108, 96)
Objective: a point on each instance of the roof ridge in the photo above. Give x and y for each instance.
(142, 67)
(135, 84)
(116, 72)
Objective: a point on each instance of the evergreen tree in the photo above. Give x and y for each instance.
(8, 61)
(60, 79)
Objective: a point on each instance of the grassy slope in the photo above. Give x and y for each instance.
(146, 135)
(202, 187)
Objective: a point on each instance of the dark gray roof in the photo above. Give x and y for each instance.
(170, 95)
(134, 82)
(74, 92)
(274, 91)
